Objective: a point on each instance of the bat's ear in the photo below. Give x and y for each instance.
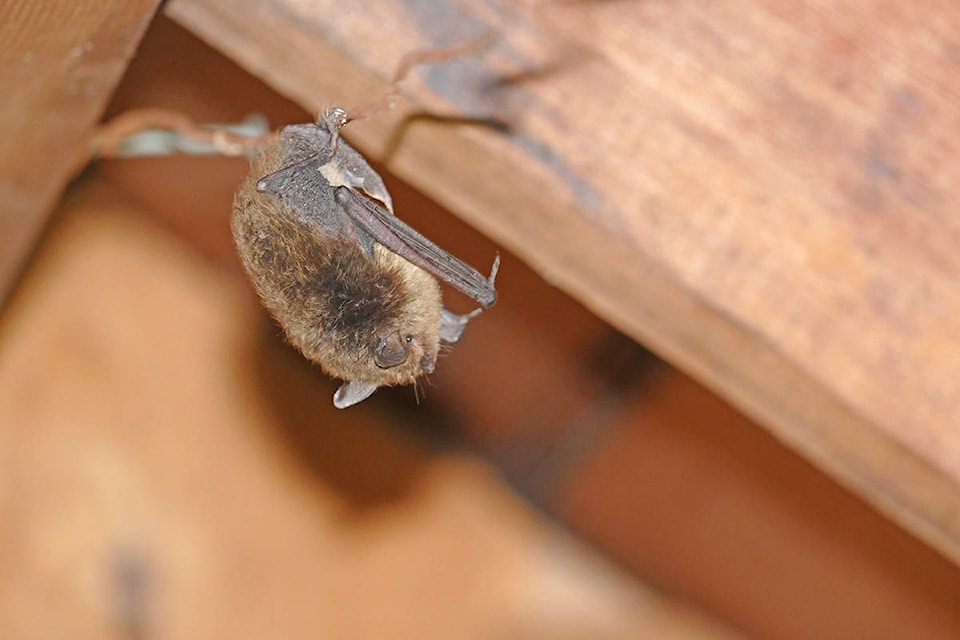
(350, 393)
(390, 351)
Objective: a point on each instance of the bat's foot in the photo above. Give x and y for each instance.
(452, 325)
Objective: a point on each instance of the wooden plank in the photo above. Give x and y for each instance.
(59, 62)
(763, 192)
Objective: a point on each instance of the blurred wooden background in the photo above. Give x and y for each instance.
(171, 469)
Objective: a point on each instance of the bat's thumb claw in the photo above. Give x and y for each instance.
(489, 300)
(493, 270)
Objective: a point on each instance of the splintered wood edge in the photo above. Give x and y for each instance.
(59, 70)
(636, 296)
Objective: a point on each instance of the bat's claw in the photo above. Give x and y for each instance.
(334, 118)
(489, 298)
(493, 270)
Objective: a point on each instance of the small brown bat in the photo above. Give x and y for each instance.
(351, 284)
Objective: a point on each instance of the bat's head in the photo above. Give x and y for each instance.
(400, 340)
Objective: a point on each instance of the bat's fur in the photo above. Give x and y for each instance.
(333, 302)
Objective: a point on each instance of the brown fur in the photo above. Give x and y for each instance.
(334, 303)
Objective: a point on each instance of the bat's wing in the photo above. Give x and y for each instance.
(373, 219)
(309, 198)
(361, 176)
(313, 141)
(301, 186)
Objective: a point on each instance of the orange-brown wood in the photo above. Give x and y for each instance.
(59, 62)
(763, 192)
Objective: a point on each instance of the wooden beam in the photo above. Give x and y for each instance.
(762, 192)
(59, 62)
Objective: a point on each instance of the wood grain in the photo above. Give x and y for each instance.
(763, 192)
(59, 62)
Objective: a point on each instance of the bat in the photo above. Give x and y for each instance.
(353, 287)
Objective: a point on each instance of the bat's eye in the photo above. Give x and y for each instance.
(409, 339)
(390, 351)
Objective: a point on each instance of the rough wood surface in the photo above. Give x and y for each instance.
(763, 192)
(59, 62)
